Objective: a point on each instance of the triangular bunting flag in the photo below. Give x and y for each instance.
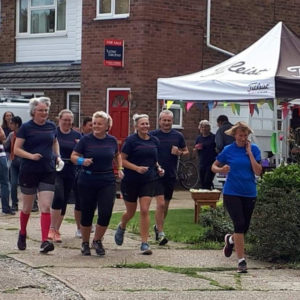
(285, 110)
(225, 104)
(210, 105)
(238, 108)
(200, 105)
(271, 105)
(215, 104)
(251, 109)
(233, 107)
(189, 105)
(182, 106)
(169, 103)
(256, 109)
(273, 143)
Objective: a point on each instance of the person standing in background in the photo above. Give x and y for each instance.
(4, 179)
(15, 124)
(172, 145)
(7, 116)
(221, 138)
(64, 181)
(206, 148)
(37, 145)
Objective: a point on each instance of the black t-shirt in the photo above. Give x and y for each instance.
(38, 139)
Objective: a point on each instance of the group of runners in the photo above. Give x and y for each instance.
(56, 159)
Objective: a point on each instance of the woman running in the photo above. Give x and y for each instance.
(37, 145)
(96, 182)
(140, 160)
(67, 139)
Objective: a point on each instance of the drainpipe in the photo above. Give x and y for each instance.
(208, 44)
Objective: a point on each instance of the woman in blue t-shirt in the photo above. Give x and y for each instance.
(241, 160)
(140, 160)
(64, 181)
(95, 152)
(36, 143)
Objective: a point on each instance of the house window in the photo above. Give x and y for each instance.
(41, 16)
(29, 95)
(73, 104)
(112, 9)
(177, 115)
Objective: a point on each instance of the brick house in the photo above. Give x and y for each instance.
(161, 39)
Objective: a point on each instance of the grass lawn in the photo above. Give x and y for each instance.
(179, 227)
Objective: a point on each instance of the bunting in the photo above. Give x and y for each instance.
(251, 108)
(285, 110)
(233, 107)
(189, 105)
(273, 143)
(169, 103)
(210, 105)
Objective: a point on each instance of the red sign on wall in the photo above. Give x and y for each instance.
(114, 53)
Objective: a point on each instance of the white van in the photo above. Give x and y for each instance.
(19, 107)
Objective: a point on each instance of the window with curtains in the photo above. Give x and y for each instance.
(112, 9)
(73, 104)
(41, 16)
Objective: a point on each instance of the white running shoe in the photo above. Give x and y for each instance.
(78, 234)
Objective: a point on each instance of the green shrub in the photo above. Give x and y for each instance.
(217, 224)
(275, 226)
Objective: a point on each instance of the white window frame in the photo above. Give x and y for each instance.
(77, 93)
(175, 107)
(38, 35)
(33, 94)
(111, 15)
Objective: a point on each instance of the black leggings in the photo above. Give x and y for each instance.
(63, 187)
(240, 210)
(91, 197)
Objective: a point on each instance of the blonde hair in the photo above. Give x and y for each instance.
(239, 125)
(204, 123)
(103, 115)
(65, 111)
(136, 117)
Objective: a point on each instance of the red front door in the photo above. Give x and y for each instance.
(119, 111)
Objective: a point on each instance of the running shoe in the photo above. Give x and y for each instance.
(15, 207)
(119, 235)
(22, 241)
(57, 237)
(145, 248)
(242, 267)
(155, 232)
(97, 245)
(85, 249)
(162, 240)
(46, 247)
(78, 234)
(8, 213)
(228, 248)
(51, 234)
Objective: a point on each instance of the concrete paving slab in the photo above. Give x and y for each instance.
(65, 271)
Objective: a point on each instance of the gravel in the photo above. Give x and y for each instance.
(17, 278)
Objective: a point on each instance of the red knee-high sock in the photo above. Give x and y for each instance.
(45, 225)
(23, 222)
